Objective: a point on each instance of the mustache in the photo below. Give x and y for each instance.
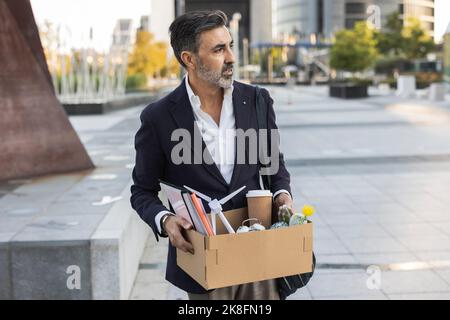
(227, 67)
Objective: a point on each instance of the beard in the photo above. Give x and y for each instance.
(216, 78)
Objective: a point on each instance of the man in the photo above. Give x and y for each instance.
(208, 101)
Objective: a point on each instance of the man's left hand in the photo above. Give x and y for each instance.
(284, 199)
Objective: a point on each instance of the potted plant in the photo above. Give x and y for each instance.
(353, 52)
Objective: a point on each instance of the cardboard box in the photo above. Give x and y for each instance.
(231, 259)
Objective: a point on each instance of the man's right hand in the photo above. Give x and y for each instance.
(173, 227)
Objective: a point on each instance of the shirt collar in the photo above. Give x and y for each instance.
(195, 100)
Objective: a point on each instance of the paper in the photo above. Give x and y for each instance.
(175, 198)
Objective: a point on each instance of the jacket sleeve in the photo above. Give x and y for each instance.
(149, 168)
(281, 180)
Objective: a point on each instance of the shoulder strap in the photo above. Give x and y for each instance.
(261, 109)
(262, 117)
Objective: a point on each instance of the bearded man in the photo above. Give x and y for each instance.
(210, 102)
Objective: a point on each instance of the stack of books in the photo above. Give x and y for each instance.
(188, 206)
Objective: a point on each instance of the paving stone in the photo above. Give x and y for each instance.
(384, 258)
(5, 272)
(41, 271)
(374, 245)
(47, 229)
(341, 285)
(421, 296)
(397, 282)
(425, 242)
(360, 231)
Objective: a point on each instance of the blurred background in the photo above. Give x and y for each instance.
(361, 91)
(278, 40)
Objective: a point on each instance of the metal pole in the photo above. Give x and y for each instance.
(234, 25)
(246, 57)
(180, 7)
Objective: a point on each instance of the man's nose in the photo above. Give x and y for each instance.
(229, 58)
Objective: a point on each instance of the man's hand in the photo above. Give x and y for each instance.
(283, 199)
(173, 227)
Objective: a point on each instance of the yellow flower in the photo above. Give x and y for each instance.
(308, 210)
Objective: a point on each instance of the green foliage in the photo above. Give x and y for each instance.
(416, 44)
(136, 82)
(407, 40)
(390, 41)
(354, 49)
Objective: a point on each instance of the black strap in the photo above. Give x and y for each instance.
(262, 112)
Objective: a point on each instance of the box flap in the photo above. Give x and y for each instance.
(234, 217)
(307, 244)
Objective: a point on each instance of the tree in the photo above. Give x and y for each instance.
(174, 66)
(417, 43)
(391, 40)
(354, 49)
(408, 40)
(148, 57)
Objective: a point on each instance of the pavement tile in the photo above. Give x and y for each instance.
(384, 258)
(341, 285)
(329, 246)
(374, 245)
(420, 296)
(425, 242)
(422, 281)
(359, 231)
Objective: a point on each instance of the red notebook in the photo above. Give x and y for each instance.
(202, 214)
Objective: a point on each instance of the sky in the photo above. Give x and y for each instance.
(442, 17)
(80, 15)
(101, 15)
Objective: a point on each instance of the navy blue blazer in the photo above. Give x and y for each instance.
(153, 162)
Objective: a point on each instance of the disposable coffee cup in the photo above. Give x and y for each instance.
(260, 206)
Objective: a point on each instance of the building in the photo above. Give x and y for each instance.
(256, 22)
(118, 52)
(145, 24)
(325, 17)
(122, 32)
(162, 15)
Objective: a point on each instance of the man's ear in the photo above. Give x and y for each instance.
(188, 58)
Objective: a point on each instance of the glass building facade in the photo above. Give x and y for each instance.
(324, 17)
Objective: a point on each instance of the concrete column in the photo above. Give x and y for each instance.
(260, 21)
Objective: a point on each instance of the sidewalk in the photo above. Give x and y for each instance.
(378, 172)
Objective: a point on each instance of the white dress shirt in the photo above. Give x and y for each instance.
(219, 139)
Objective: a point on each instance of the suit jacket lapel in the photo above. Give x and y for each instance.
(183, 115)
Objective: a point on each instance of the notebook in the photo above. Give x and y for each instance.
(201, 213)
(175, 196)
(186, 207)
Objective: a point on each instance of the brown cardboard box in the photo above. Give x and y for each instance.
(231, 259)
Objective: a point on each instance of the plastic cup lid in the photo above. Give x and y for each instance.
(259, 193)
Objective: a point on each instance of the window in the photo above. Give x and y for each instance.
(355, 8)
(320, 15)
(350, 23)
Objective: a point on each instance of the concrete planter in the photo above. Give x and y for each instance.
(348, 91)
